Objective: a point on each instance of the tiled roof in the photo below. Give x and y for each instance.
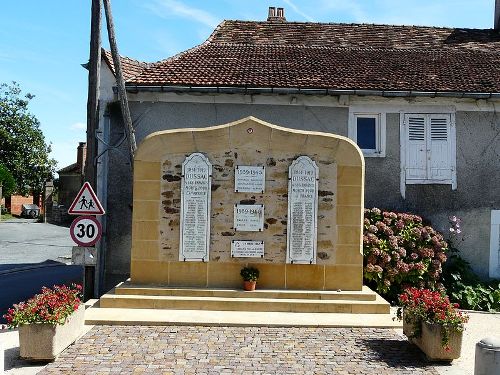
(72, 168)
(334, 56)
(130, 67)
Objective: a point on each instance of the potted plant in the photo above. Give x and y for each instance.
(250, 276)
(48, 322)
(432, 322)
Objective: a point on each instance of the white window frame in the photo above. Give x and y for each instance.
(403, 143)
(380, 130)
(494, 269)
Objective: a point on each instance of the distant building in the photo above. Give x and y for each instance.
(71, 177)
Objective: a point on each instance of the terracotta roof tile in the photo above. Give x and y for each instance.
(333, 56)
(130, 67)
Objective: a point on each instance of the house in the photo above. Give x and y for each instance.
(421, 103)
(71, 177)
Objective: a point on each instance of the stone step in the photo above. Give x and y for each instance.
(130, 289)
(112, 300)
(152, 317)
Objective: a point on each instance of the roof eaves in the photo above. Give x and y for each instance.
(309, 91)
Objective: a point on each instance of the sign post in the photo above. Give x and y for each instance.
(85, 231)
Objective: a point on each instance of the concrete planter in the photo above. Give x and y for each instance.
(430, 341)
(44, 342)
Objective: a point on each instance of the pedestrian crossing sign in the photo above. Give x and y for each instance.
(86, 202)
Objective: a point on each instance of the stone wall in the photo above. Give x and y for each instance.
(156, 218)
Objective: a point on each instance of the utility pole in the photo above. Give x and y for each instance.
(90, 170)
(122, 94)
(94, 68)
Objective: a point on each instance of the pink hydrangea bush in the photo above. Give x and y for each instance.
(400, 252)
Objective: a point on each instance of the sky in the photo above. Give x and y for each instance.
(44, 43)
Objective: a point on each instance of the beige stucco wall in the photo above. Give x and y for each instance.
(155, 231)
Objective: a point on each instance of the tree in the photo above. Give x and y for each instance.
(7, 181)
(23, 150)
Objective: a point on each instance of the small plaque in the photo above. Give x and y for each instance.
(249, 217)
(247, 249)
(249, 179)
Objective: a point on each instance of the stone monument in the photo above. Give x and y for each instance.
(209, 201)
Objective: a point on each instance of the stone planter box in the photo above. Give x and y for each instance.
(44, 342)
(430, 341)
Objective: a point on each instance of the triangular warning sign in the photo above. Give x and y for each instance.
(86, 202)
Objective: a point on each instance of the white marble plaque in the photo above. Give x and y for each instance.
(249, 179)
(302, 211)
(249, 217)
(247, 249)
(195, 208)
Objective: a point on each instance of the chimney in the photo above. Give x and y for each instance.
(278, 14)
(81, 156)
(497, 15)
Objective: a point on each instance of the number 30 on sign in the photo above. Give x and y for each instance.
(85, 230)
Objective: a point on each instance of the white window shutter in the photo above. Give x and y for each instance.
(439, 166)
(416, 151)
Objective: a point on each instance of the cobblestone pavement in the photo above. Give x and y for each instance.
(240, 350)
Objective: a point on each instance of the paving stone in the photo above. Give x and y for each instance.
(240, 350)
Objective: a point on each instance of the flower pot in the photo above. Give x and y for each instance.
(249, 285)
(430, 341)
(44, 341)
(411, 327)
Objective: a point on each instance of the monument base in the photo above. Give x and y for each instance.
(135, 296)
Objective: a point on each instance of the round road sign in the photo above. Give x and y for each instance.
(85, 230)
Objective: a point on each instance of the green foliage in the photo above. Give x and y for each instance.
(23, 150)
(249, 273)
(400, 252)
(465, 288)
(7, 181)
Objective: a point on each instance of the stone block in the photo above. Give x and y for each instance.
(149, 272)
(145, 250)
(350, 176)
(146, 210)
(144, 170)
(305, 276)
(224, 275)
(272, 276)
(344, 277)
(349, 254)
(147, 190)
(350, 195)
(151, 149)
(349, 215)
(145, 230)
(188, 274)
(349, 235)
(212, 140)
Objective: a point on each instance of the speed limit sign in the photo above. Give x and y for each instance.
(85, 230)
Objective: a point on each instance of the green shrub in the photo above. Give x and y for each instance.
(465, 288)
(400, 252)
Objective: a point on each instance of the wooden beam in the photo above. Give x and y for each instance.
(122, 94)
(94, 68)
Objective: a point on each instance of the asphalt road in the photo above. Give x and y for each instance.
(33, 255)
(26, 241)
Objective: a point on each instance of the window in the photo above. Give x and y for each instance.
(495, 244)
(368, 131)
(428, 150)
